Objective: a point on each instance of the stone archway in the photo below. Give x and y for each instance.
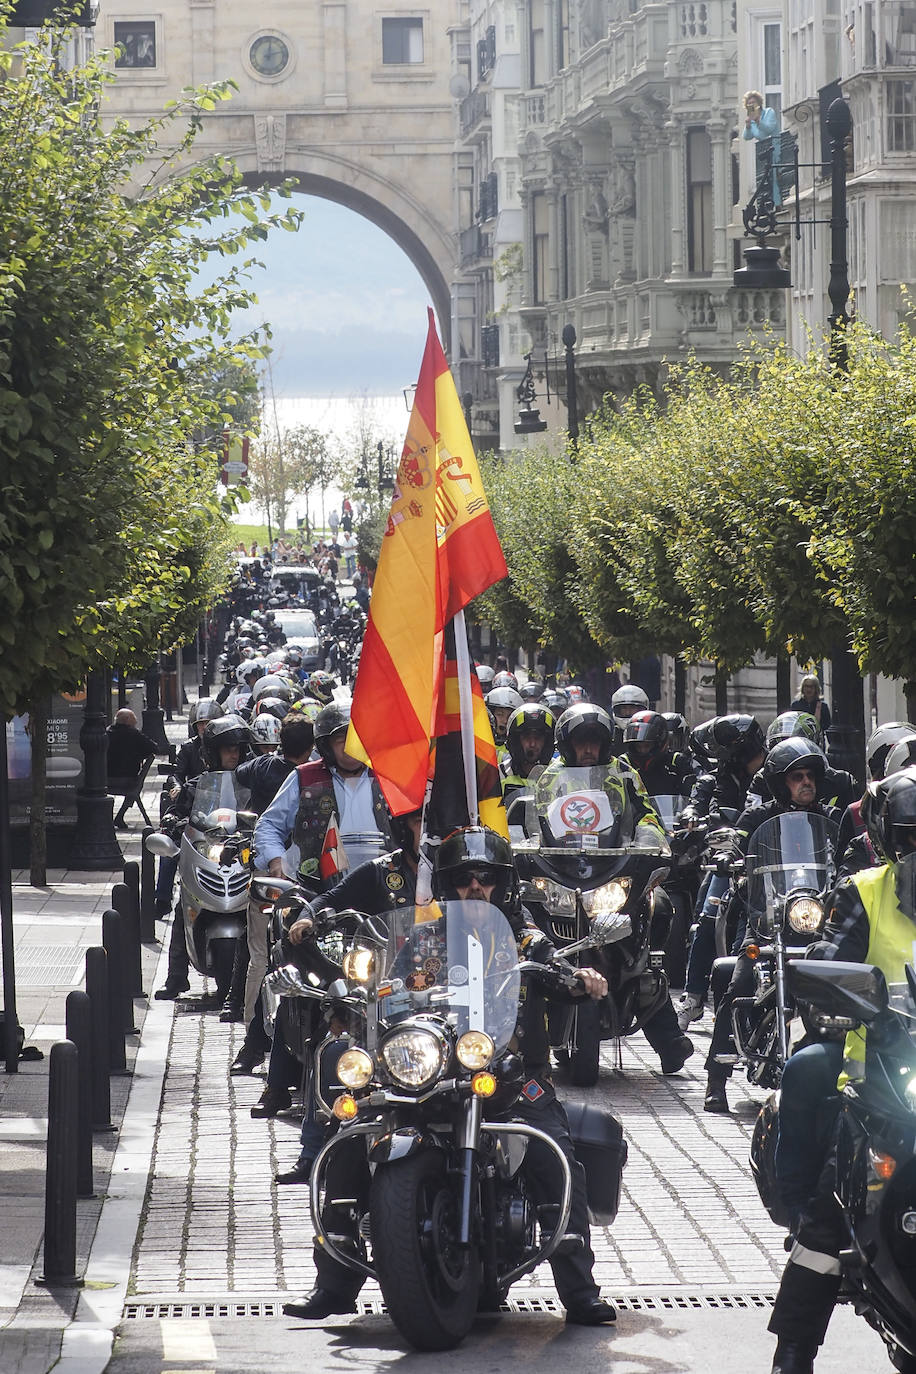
(326, 96)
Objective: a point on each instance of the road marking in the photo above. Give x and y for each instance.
(184, 1339)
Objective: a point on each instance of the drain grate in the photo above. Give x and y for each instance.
(48, 966)
(517, 1302)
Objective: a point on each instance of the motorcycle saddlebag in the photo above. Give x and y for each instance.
(597, 1136)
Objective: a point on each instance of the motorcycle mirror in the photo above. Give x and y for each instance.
(161, 845)
(338, 989)
(267, 889)
(247, 819)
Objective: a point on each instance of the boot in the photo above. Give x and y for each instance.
(792, 1357)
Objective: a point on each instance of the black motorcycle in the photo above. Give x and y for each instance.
(439, 1210)
(590, 876)
(788, 872)
(681, 882)
(871, 1167)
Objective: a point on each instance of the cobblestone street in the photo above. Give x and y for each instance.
(214, 1223)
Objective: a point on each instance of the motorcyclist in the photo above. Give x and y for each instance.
(738, 746)
(625, 702)
(225, 740)
(501, 702)
(794, 772)
(839, 788)
(872, 919)
(854, 846)
(475, 864)
(529, 743)
(374, 887)
(485, 676)
(646, 745)
(320, 687)
(584, 739)
(678, 731)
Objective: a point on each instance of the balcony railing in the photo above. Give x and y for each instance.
(488, 198)
(473, 245)
(473, 109)
(489, 345)
(486, 54)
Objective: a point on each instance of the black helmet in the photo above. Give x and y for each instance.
(506, 679)
(792, 723)
(207, 708)
(401, 832)
(897, 813)
(736, 739)
(701, 744)
(787, 755)
(645, 736)
(531, 690)
(534, 715)
(584, 719)
(881, 742)
(677, 729)
(273, 706)
(224, 730)
(333, 718)
(477, 847)
(870, 813)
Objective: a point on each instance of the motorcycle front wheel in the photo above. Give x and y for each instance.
(584, 1054)
(430, 1284)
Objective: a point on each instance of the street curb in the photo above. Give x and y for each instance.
(88, 1339)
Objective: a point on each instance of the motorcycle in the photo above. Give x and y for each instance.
(213, 873)
(871, 1168)
(439, 1207)
(581, 856)
(789, 870)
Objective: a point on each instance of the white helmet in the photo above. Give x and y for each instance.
(265, 729)
(246, 668)
(625, 702)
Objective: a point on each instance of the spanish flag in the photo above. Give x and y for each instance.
(439, 551)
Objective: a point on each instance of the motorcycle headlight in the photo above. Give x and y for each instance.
(806, 915)
(354, 1068)
(209, 851)
(606, 900)
(358, 965)
(475, 1049)
(413, 1057)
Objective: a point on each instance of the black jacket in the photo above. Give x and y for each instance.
(128, 750)
(264, 775)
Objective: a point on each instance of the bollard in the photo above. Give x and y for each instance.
(97, 992)
(79, 1032)
(147, 890)
(122, 901)
(132, 882)
(60, 1175)
(120, 1005)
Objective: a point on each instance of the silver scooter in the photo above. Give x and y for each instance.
(213, 873)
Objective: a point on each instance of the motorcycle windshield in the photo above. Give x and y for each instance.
(586, 810)
(669, 807)
(787, 853)
(457, 960)
(218, 798)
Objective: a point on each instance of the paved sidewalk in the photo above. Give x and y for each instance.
(53, 927)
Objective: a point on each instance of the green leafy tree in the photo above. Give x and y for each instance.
(284, 464)
(105, 342)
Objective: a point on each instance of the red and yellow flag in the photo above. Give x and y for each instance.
(439, 551)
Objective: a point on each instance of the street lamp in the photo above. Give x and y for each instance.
(839, 127)
(529, 417)
(572, 397)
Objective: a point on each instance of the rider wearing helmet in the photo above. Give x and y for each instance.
(320, 686)
(837, 788)
(532, 690)
(794, 772)
(225, 742)
(273, 706)
(871, 919)
(505, 679)
(646, 743)
(265, 733)
(584, 739)
(485, 676)
(529, 743)
(189, 761)
(501, 702)
(625, 702)
(678, 730)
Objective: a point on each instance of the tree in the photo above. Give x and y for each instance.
(286, 463)
(104, 341)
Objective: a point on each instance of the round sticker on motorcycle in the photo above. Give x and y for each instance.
(580, 813)
(457, 975)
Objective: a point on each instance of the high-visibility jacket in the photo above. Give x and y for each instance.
(891, 945)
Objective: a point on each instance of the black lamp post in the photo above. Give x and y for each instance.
(572, 398)
(94, 843)
(385, 479)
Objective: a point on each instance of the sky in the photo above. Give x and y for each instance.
(346, 306)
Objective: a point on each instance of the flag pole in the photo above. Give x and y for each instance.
(466, 703)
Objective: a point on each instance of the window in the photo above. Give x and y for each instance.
(537, 70)
(901, 116)
(137, 44)
(402, 41)
(772, 66)
(699, 202)
(541, 235)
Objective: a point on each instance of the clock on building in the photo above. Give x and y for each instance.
(269, 55)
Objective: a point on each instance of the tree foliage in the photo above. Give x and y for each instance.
(110, 418)
(286, 463)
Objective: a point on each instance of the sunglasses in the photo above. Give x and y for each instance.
(801, 775)
(484, 876)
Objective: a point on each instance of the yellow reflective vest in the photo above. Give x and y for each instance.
(891, 945)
